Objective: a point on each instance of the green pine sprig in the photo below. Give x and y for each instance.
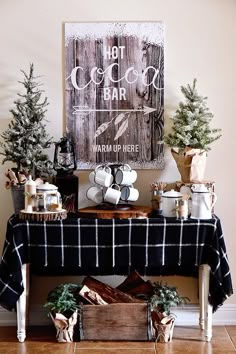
(64, 299)
(164, 297)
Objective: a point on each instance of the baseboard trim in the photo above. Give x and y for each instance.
(189, 315)
(186, 316)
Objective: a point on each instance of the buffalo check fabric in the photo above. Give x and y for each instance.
(152, 246)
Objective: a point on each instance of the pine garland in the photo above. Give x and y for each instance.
(26, 138)
(191, 122)
(64, 299)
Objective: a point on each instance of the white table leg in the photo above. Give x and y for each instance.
(205, 308)
(201, 297)
(22, 305)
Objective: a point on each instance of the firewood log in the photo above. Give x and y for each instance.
(135, 285)
(105, 292)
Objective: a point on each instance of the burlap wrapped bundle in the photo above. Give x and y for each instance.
(191, 164)
(64, 326)
(163, 326)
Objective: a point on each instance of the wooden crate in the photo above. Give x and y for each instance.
(116, 322)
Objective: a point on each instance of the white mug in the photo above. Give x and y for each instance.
(94, 194)
(103, 176)
(128, 193)
(92, 177)
(125, 175)
(112, 194)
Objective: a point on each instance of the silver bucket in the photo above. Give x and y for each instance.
(18, 197)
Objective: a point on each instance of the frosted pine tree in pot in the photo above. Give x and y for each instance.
(191, 134)
(26, 139)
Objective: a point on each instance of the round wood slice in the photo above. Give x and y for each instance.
(43, 216)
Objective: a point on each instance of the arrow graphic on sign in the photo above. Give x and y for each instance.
(145, 110)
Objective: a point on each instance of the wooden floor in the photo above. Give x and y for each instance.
(187, 340)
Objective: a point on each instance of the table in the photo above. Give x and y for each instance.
(81, 246)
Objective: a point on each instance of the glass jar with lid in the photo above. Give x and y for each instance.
(48, 198)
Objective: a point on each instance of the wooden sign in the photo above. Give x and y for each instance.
(114, 93)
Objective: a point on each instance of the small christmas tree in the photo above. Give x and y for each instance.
(191, 127)
(26, 137)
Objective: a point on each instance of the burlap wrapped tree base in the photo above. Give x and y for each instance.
(191, 164)
(163, 326)
(64, 326)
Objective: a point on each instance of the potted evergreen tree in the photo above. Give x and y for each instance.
(63, 304)
(191, 134)
(163, 299)
(25, 140)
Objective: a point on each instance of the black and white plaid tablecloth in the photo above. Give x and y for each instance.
(152, 246)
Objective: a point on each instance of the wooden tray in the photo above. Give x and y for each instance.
(135, 211)
(43, 216)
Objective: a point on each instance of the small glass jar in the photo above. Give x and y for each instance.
(49, 199)
(181, 207)
(157, 201)
(53, 201)
(39, 204)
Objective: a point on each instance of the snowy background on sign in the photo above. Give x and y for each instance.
(152, 33)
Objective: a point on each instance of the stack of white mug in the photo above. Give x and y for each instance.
(112, 187)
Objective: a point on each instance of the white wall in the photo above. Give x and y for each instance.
(200, 42)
